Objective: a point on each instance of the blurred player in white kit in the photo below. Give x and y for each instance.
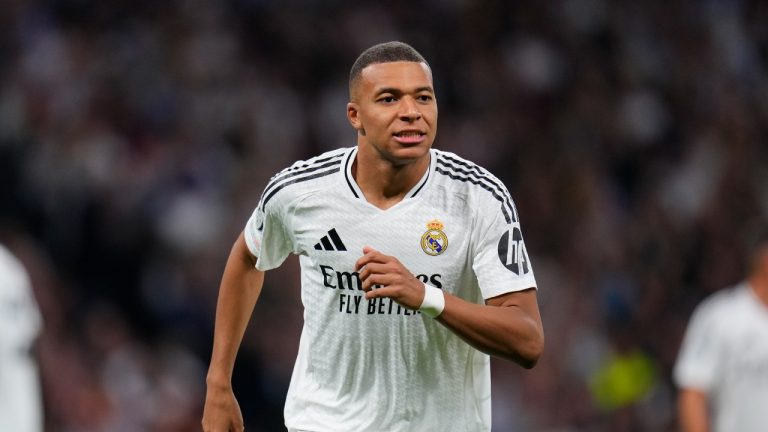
(722, 368)
(20, 323)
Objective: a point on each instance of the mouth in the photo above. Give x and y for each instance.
(410, 136)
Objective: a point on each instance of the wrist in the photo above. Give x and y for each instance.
(218, 381)
(433, 303)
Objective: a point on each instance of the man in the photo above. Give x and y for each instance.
(722, 368)
(20, 323)
(413, 265)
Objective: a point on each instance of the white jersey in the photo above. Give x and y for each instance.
(725, 355)
(374, 365)
(20, 400)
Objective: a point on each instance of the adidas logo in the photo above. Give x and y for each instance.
(331, 242)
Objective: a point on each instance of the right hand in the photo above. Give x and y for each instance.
(222, 412)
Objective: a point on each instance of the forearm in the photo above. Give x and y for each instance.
(508, 328)
(693, 411)
(238, 292)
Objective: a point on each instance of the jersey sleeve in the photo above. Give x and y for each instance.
(501, 261)
(267, 235)
(20, 320)
(699, 360)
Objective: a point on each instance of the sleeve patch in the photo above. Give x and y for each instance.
(512, 251)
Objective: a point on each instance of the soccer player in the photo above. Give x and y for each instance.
(20, 323)
(413, 271)
(722, 368)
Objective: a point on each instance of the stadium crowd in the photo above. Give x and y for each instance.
(136, 137)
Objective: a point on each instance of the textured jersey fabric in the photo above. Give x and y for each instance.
(725, 355)
(374, 365)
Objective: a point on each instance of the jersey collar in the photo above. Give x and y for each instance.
(355, 189)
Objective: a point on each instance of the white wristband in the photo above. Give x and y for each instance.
(434, 301)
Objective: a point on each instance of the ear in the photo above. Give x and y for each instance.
(353, 115)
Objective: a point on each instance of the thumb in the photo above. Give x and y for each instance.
(368, 249)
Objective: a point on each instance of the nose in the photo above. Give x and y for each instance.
(409, 110)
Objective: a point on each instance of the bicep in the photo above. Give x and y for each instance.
(518, 322)
(241, 265)
(241, 251)
(524, 301)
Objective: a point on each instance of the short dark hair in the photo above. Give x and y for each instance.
(386, 52)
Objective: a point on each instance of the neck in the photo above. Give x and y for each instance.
(383, 182)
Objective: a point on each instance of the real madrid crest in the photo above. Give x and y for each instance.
(434, 241)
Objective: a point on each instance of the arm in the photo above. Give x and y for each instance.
(692, 410)
(508, 326)
(239, 290)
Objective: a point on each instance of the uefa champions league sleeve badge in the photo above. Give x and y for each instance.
(434, 241)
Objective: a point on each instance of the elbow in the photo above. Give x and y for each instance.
(530, 357)
(528, 353)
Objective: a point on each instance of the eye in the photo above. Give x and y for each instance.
(387, 99)
(424, 98)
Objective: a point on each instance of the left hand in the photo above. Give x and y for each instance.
(393, 279)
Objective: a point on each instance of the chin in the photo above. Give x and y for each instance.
(410, 154)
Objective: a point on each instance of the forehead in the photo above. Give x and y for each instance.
(401, 75)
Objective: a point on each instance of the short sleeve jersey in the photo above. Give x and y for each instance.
(374, 365)
(725, 355)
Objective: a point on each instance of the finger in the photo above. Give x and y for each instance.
(378, 279)
(363, 261)
(373, 268)
(380, 292)
(371, 256)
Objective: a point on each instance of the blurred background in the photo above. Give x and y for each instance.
(136, 137)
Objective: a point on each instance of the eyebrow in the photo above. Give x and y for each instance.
(397, 91)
